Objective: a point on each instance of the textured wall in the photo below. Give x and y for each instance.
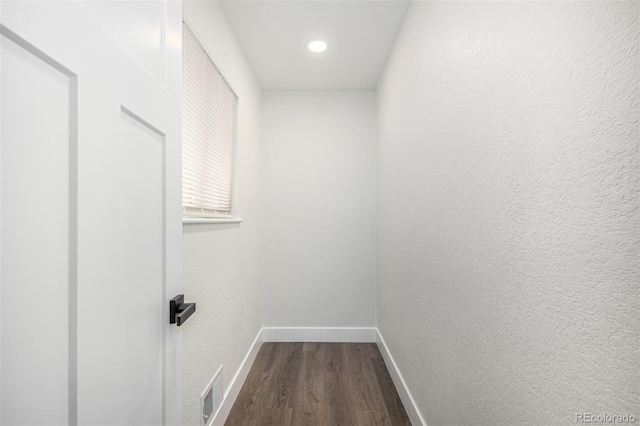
(319, 155)
(508, 219)
(221, 262)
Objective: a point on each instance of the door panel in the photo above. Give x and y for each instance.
(139, 28)
(36, 117)
(122, 223)
(142, 192)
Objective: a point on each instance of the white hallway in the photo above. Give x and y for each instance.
(457, 181)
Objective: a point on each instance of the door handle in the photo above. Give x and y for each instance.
(179, 311)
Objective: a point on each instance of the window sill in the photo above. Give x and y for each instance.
(209, 220)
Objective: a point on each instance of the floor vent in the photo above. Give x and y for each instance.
(211, 399)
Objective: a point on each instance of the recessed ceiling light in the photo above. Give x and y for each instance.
(317, 46)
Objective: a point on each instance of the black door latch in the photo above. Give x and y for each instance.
(179, 311)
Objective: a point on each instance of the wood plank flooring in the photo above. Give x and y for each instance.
(326, 384)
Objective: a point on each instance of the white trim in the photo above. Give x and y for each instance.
(320, 334)
(197, 220)
(403, 391)
(231, 394)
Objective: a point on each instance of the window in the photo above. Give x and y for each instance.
(209, 135)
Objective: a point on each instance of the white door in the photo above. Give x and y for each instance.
(90, 217)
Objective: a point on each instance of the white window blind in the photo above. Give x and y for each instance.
(209, 134)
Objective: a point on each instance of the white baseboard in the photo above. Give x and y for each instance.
(320, 334)
(233, 389)
(403, 391)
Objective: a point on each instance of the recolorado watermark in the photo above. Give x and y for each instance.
(605, 418)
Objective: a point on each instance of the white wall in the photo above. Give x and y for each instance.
(221, 271)
(508, 217)
(318, 187)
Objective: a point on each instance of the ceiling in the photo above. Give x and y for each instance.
(273, 34)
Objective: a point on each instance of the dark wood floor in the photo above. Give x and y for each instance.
(296, 384)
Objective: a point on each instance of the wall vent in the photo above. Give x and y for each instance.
(211, 399)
